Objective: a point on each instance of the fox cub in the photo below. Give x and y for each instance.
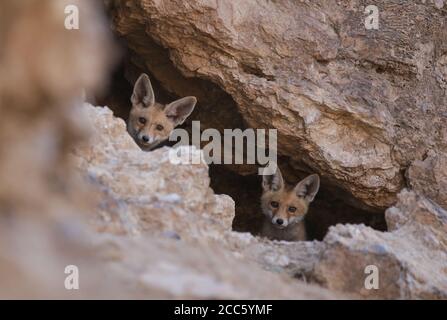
(285, 206)
(150, 123)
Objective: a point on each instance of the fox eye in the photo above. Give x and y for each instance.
(159, 127)
(274, 204)
(142, 120)
(292, 209)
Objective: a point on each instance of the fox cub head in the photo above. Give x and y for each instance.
(285, 205)
(151, 123)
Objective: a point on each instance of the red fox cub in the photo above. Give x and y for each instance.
(286, 206)
(150, 123)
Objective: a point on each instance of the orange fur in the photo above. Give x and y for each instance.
(285, 206)
(151, 123)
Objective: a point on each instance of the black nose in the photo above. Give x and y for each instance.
(280, 221)
(145, 138)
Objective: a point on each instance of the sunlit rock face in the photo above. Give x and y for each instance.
(146, 191)
(175, 237)
(140, 194)
(355, 105)
(410, 259)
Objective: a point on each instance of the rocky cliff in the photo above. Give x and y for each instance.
(365, 110)
(359, 106)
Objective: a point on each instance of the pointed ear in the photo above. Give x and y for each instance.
(308, 187)
(273, 182)
(179, 110)
(142, 92)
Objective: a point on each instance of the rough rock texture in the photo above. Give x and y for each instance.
(411, 257)
(131, 197)
(356, 105)
(76, 190)
(429, 176)
(141, 194)
(142, 190)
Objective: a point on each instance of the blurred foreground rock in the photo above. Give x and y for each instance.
(43, 72)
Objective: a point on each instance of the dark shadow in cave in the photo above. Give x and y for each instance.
(117, 94)
(325, 211)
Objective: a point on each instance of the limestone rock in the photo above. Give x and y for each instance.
(168, 268)
(144, 190)
(352, 104)
(429, 176)
(411, 258)
(140, 193)
(175, 229)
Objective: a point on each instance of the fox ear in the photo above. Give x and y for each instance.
(308, 187)
(142, 92)
(180, 109)
(273, 182)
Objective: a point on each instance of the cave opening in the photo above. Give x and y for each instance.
(216, 109)
(325, 211)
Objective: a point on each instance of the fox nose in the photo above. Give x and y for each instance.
(280, 221)
(145, 138)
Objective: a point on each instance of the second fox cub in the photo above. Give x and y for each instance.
(151, 123)
(286, 206)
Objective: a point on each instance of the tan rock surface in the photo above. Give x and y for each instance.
(429, 176)
(356, 105)
(142, 193)
(411, 258)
